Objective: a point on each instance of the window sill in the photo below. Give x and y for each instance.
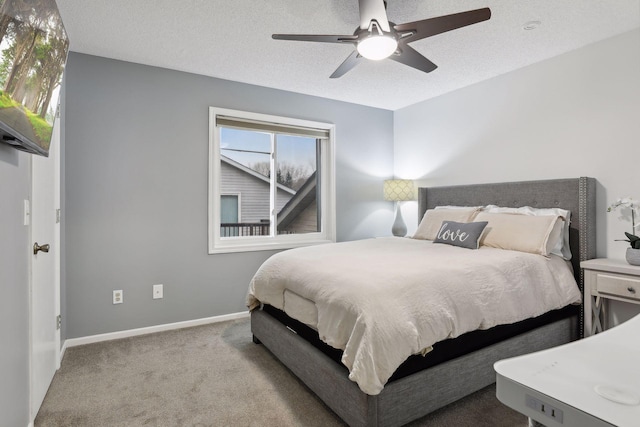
(236, 247)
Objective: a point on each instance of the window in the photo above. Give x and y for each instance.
(271, 182)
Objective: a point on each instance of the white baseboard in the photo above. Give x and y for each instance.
(73, 342)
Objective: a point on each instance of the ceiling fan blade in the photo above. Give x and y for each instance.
(373, 10)
(316, 38)
(411, 57)
(432, 26)
(351, 61)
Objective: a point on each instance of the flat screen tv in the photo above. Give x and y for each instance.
(33, 53)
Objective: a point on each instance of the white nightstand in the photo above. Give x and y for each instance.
(607, 279)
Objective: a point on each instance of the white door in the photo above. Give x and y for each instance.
(45, 270)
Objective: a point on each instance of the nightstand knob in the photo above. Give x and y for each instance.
(631, 290)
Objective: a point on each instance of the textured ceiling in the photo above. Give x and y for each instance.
(232, 40)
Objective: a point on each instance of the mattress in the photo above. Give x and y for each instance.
(442, 351)
(301, 316)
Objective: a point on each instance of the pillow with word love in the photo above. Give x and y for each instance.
(463, 234)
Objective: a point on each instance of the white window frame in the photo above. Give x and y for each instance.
(218, 244)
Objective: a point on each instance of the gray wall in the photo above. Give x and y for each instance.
(574, 115)
(135, 166)
(14, 283)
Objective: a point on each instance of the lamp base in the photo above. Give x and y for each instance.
(399, 228)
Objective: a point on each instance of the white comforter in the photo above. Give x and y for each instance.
(382, 300)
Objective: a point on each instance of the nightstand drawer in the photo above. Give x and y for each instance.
(618, 285)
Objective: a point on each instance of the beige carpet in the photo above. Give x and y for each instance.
(209, 375)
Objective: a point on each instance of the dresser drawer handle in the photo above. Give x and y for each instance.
(631, 290)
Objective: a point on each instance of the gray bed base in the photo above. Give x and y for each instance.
(406, 399)
(418, 394)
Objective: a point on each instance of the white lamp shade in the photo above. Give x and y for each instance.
(399, 190)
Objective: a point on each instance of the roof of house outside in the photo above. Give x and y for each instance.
(298, 203)
(251, 172)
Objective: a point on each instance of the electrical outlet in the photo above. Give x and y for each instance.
(544, 408)
(118, 297)
(158, 291)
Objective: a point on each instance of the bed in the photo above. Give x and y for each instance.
(414, 390)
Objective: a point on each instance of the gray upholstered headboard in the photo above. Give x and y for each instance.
(574, 194)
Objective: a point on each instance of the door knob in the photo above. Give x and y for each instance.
(43, 248)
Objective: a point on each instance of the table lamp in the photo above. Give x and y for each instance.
(399, 190)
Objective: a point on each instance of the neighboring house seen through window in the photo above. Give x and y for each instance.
(229, 214)
(271, 182)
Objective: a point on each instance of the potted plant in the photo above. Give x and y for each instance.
(633, 252)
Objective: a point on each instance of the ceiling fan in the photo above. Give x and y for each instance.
(376, 38)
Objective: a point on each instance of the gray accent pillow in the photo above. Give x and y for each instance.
(465, 235)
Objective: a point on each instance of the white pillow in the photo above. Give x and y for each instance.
(562, 247)
(537, 234)
(433, 218)
(477, 208)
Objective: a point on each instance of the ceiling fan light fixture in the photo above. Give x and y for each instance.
(378, 38)
(377, 47)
